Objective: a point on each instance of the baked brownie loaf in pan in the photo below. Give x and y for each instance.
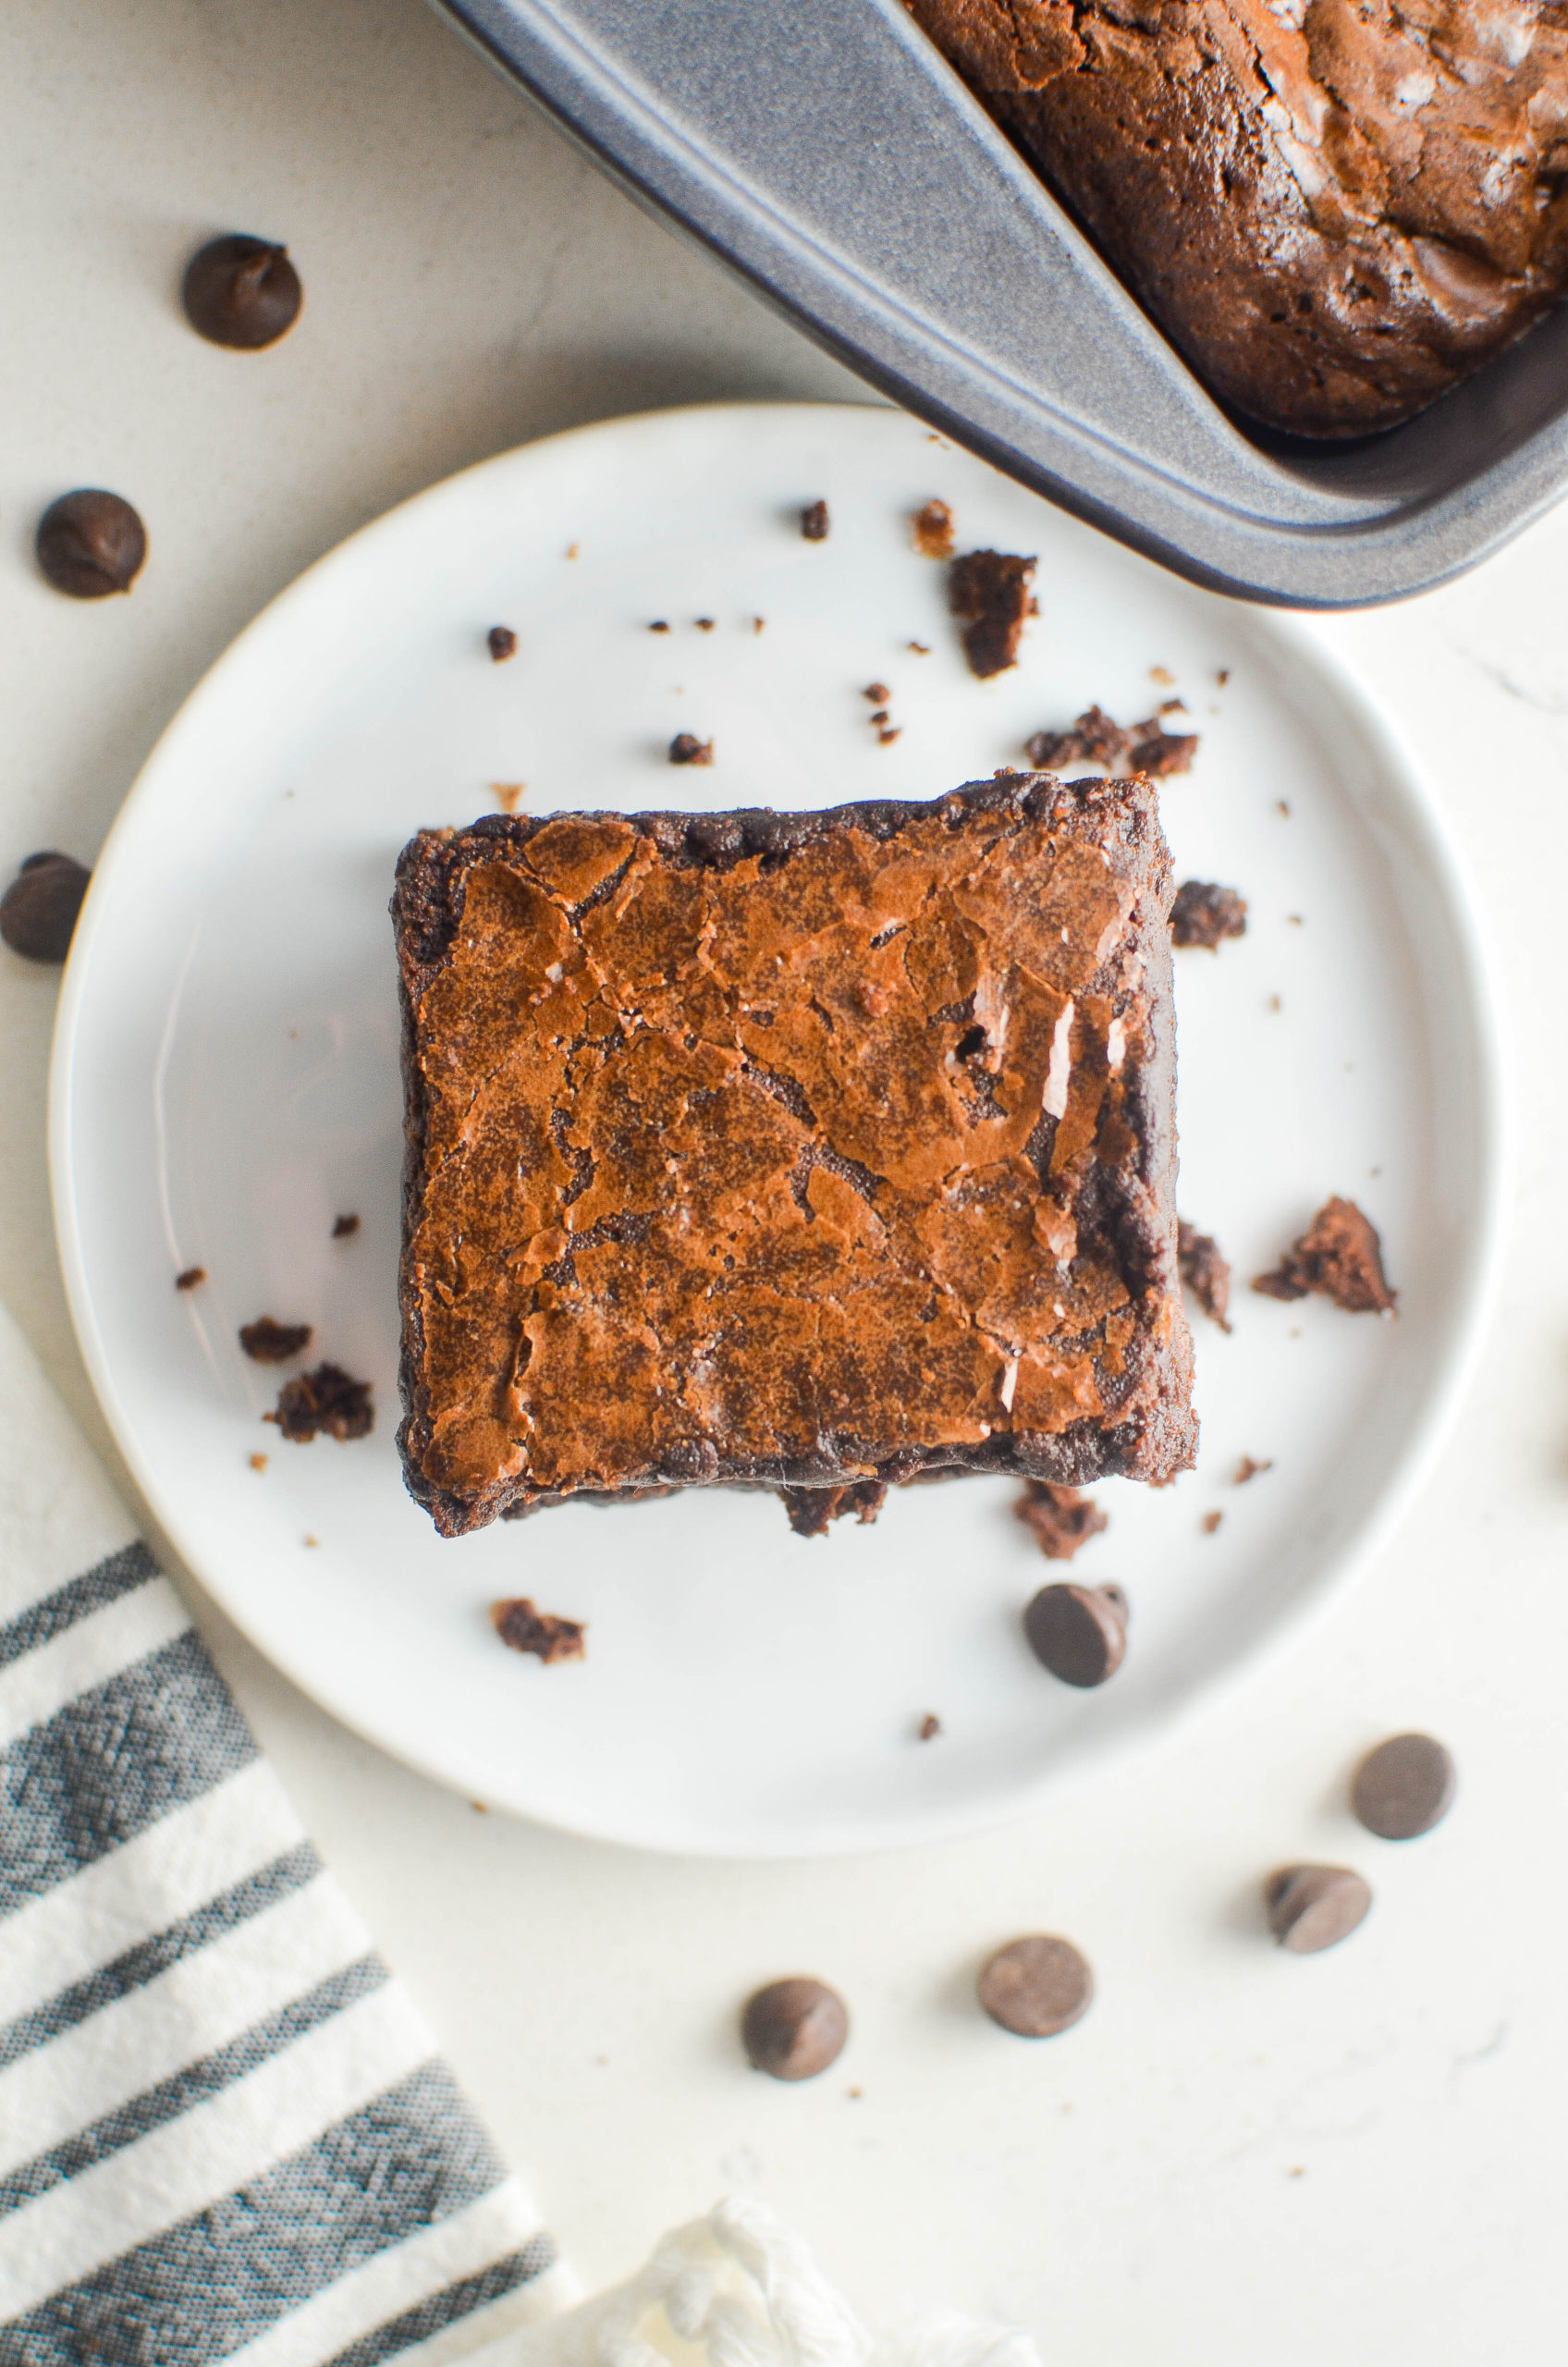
(790, 1150)
(1335, 211)
(831, 155)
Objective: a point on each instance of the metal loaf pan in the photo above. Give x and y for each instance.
(825, 150)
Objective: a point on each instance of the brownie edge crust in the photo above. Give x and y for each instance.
(790, 1150)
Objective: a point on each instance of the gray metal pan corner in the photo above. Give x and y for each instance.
(824, 150)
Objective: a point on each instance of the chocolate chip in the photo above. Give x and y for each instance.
(1313, 1906)
(241, 292)
(266, 1343)
(37, 910)
(794, 2029)
(327, 1400)
(1404, 1787)
(343, 1228)
(191, 1278)
(1036, 1986)
(687, 749)
(813, 522)
(1079, 1633)
(91, 542)
(540, 1632)
(502, 643)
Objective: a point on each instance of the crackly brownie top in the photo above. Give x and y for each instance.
(734, 1133)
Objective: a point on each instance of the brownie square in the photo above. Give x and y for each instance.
(790, 1150)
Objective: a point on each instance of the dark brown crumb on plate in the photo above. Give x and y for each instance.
(343, 1228)
(191, 1278)
(811, 1509)
(933, 529)
(326, 1399)
(267, 1342)
(1062, 1518)
(539, 1632)
(660, 625)
(1098, 739)
(813, 522)
(878, 693)
(502, 642)
(988, 592)
(930, 1726)
(1211, 1522)
(1248, 1469)
(1204, 912)
(687, 749)
(1205, 1272)
(704, 624)
(1340, 1256)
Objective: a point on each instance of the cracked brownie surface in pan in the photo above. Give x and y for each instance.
(790, 1150)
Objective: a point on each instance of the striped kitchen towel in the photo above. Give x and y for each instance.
(225, 2132)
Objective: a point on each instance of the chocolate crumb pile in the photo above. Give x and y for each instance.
(933, 529)
(38, 911)
(1062, 1518)
(522, 1628)
(1340, 1258)
(326, 1399)
(988, 592)
(267, 1342)
(811, 1509)
(1205, 912)
(1205, 1272)
(1097, 739)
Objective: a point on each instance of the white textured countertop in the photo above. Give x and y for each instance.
(1238, 2155)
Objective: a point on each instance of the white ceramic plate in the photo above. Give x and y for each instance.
(225, 1084)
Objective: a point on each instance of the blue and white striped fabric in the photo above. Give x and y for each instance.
(225, 2133)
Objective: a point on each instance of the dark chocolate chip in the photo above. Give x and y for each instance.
(502, 643)
(91, 542)
(813, 522)
(1313, 1906)
(241, 292)
(37, 910)
(344, 1228)
(1036, 1986)
(267, 1342)
(687, 749)
(522, 1628)
(1404, 1787)
(1079, 1633)
(794, 2029)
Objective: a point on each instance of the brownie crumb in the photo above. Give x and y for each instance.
(1248, 1469)
(704, 624)
(878, 693)
(1062, 1518)
(813, 522)
(1162, 675)
(933, 529)
(687, 749)
(509, 794)
(1340, 1256)
(502, 643)
(267, 1342)
(1204, 912)
(344, 1228)
(921, 648)
(327, 1400)
(886, 738)
(811, 1509)
(258, 1462)
(930, 1726)
(1098, 739)
(189, 1278)
(988, 592)
(1205, 1272)
(1211, 1522)
(539, 1632)
(660, 625)
(759, 624)
(38, 911)
(1223, 676)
